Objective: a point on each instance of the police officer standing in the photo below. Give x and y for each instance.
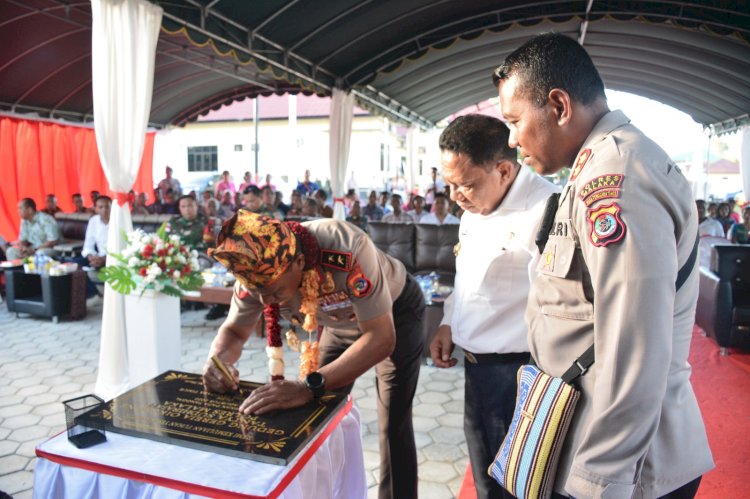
(327, 272)
(624, 225)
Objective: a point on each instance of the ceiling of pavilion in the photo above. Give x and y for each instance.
(414, 60)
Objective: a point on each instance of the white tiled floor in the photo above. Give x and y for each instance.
(42, 364)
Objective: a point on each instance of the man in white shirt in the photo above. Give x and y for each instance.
(94, 252)
(503, 204)
(397, 215)
(433, 187)
(95, 244)
(439, 214)
(707, 226)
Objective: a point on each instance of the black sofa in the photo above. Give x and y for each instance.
(723, 310)
(422, 248)
(73, 228)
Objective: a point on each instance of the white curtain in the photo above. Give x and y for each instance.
(745, 161)
(123, 48)
(342, 110)
(411, 158)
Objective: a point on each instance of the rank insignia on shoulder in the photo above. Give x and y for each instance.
(583, 157)
(457, 249)
(358, 283)
(606, 225)
(601, 187)
(339, 260)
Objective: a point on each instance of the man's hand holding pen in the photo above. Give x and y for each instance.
(220, 377)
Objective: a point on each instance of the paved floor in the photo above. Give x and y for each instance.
(42, 364)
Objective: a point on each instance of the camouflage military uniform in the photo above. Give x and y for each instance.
(190, 231)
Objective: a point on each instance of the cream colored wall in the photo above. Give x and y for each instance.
(287, 150)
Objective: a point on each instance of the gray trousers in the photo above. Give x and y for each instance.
(396, 385)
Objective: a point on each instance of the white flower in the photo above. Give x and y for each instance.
(133, 262)
(176, 274)
(153, 270)
(168, 260)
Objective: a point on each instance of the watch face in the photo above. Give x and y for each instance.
(314, 380)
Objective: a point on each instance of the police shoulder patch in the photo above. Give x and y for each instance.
(358, 283)
(583, 157)
(606, 225)
(339, 260)
(601, 187)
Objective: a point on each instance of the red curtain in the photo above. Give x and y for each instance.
(39, 158)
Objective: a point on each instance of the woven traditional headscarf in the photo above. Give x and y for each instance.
(257, 249)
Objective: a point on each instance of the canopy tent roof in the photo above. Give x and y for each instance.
(416, 61)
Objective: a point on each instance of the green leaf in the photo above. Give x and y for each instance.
(120, 278)
(192, 282)
(171, 291)
(162, 232)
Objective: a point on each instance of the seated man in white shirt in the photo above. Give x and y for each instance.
(397, 215)
(94, 252)
(439, 214)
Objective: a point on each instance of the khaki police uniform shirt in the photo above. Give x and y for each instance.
(625, 224)
(367, 281)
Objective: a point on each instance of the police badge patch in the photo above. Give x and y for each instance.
(606, 225)
(358, 283)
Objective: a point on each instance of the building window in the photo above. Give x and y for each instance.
(203, 159)
(238, 147)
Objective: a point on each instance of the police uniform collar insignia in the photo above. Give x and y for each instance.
(339, 260)
(583, 157)
(606, 225)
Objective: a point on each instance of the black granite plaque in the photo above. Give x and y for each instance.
(174, 408)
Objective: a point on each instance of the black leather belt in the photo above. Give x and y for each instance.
(496, 358)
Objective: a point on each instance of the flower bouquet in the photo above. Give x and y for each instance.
(154, 261)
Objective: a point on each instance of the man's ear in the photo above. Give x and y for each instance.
(560, 102)
(505, 168)
(299, 260)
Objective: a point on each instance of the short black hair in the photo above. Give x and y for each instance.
(105, 198)
(186, 196)
(552, 60)
(483, 138)
(252, 189)
(29, 203)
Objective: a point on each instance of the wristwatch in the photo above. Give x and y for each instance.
(316, 383)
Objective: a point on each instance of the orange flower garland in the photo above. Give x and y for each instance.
(312, 277)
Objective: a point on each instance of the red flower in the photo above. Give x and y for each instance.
(162, 252)
(186, 269)
(143, 271)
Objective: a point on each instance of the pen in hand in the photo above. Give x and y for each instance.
(224, 371)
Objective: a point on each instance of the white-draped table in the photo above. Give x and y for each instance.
(124, 467)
